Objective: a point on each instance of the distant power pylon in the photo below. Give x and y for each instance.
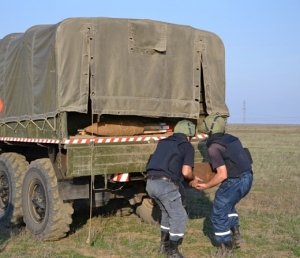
(244, 111)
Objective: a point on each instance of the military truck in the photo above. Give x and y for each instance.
(97, 73)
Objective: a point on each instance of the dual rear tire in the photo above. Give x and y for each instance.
(44, 213)
(13, 167)
(30, 192)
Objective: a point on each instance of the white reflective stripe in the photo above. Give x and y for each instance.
(173, 234)
(233, 215)
(163, 227)
(223, 233)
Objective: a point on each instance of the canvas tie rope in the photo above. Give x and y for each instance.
(88, 241)
(92, 144)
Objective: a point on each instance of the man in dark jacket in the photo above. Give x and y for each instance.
(232, 164)
(170, 164)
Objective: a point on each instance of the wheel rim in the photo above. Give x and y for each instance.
(4, 192)
(37, 201)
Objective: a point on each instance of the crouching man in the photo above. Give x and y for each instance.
(170, 164)
(232, 164)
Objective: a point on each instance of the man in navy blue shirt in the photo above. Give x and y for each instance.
(171, 164)
(232, 165)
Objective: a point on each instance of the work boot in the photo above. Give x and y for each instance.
(236, 236)
(164, 242)
(173, 250)
(224, 250)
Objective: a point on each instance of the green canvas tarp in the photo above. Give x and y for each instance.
(124, 66)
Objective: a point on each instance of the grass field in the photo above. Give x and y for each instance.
(270, 214)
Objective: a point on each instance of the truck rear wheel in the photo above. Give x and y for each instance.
(148, 211)
(45, 214)
(13, 167)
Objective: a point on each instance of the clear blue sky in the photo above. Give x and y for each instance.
(261, 38)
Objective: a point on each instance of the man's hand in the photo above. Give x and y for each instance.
(202, 186)
(198, 184)
(195, 182)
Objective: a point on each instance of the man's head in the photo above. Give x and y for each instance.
(213, 124)
(186, 127)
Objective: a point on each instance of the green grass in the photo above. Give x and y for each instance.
(270, 214)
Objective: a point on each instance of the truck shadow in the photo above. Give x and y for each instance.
(197, 203)
(118, 207)
(7, 232)
(4, 237)
(198, 206)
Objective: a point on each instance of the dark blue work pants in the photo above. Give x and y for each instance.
(224, 215)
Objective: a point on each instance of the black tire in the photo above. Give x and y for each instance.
(148, 211)
(44, 213)
(13, 167)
